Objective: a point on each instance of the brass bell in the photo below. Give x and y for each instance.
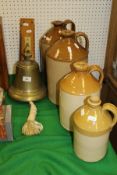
(27, 85)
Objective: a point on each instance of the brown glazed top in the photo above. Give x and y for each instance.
(68, 49)
(53, 34)
(93, 119)
(80, 81)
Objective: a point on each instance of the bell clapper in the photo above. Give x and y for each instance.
(32, 127)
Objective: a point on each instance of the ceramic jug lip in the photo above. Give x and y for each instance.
(81, 66)
(57, 23)
(93, 101)
(67, 33)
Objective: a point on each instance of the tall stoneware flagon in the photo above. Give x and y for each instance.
(50, 37)
(92, 124)
(75, 87)
(59, 58)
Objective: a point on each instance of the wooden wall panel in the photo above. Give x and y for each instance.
(3, 63)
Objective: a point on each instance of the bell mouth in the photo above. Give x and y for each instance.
(57, 23)
(27, 95)
(80, 66)
(94, 101)
(67, 33)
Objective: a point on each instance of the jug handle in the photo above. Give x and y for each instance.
(112, 108)
(78, 34)
(68, 21)
(96, 68)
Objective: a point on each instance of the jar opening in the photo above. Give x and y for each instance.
(94, 101)
(57, 23)
(80, 66)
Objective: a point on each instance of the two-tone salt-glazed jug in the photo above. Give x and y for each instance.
(60, 57)
(92, 124)
(75, 87)
(50, 37)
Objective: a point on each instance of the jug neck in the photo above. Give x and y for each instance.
(93, 101)
(67, 34)
(81, 67)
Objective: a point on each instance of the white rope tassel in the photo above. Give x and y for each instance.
(32, 127)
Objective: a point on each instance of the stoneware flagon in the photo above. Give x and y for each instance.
(92, 124)
(75, 87)
(59, 58)
(50, 37)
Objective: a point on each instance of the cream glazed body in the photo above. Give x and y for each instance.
(54, 75)
(75, 87)
(90, 149)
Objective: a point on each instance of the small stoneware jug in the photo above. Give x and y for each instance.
(75, 87)
(50, 37)
(92, 124)
(59, 58)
